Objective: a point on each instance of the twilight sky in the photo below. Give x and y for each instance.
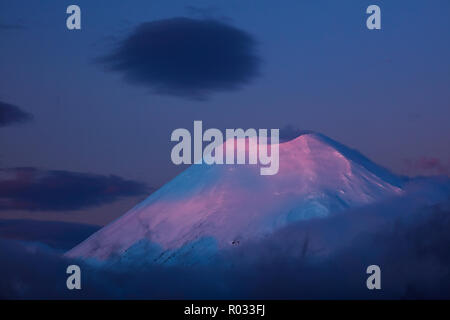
(89, 113)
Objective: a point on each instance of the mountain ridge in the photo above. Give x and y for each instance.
(210, 207)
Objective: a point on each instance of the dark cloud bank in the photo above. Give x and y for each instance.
(11, 114)
(34, 189)
(55, 234)
(186, 57)
(324, 258)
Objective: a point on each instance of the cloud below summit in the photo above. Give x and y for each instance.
(314, 259)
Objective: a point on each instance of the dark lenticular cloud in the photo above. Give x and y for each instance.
(34, 189)
(10, 114)
(186, 57)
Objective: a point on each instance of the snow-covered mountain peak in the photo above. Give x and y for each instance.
(210, 207)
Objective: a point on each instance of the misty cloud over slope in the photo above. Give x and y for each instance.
(319, 258)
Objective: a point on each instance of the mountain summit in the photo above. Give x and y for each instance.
(212, 207)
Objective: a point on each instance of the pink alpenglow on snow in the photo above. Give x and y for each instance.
(212, 207)
(240, 146)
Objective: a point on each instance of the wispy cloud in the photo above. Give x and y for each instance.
(55, 190)
(427, 166)
(11, 114)
(6, 26)
(290, 132)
